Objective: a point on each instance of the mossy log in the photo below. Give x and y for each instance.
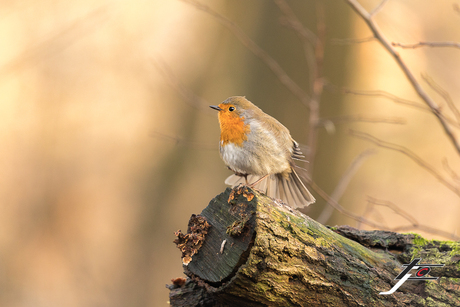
(246, 249)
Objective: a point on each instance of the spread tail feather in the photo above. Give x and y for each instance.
(291, 190)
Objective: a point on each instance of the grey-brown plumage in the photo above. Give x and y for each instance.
(253, 145)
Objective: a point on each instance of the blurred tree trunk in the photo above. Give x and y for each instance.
(245, 249)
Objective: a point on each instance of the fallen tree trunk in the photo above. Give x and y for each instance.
(246, 249)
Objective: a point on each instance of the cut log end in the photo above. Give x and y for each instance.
(258, 252)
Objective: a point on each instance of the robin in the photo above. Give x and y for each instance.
(255, 146)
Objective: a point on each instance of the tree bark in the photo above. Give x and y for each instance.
(246, 249)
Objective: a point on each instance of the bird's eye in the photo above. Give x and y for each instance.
(231, 109)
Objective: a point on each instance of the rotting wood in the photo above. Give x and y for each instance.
(276, 256)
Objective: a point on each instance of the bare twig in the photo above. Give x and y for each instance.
(295, 23)
(427, 44)
(189, 96)
(306, 36)
(341, 209)
(362, 220)
(386, 95)
(449, 170)
(257, 51)
(182, 141)
(396, 99)
(415, 84)
(318, 84)
(444, 94)
(314, 53)
(370, 208)
(61, 38)
(396, 209)
(456, 8)
(349, 41)
(410, 155)
(378, 8)
(414, 225)
(427, 229)
(359, 118)
(343, 184)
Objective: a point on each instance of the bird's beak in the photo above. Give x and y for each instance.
(215, 108)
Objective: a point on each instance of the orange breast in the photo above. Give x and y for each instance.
(232, 129)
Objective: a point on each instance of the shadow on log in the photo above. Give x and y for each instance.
(258, 252)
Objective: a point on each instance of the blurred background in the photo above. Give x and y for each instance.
(108, 145)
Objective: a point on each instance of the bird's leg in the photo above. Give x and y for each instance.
(255, 183)
(242, 175)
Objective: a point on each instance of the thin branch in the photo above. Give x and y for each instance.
(427, 229)
(349, 41)
(359, 118)
(182, 141)
(384, 94)
(378, 8)
(190, 97)
(456, 8)
(363, 220)
(427, 44)
(343, 184)
(395, 208)
(60, 38)
(449, 170)
(409, 154)
(314, 54)
(306, 36)
(294, 22)
(370, 209)
(318, 84)
(341, 209)
(415, 84)
(444, 94)
(256, 50)
(396, 99)
(414, 225)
